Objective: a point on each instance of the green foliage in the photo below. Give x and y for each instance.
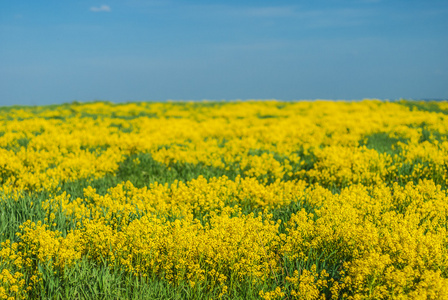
(14, 213)
(429, 106)
(88, 280)
(382, 143)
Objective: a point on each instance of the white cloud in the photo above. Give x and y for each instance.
(102, 8)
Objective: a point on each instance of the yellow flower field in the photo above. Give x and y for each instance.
(248, 200)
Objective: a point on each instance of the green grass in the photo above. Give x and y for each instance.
(429, 106)
(144, 173)
(14, 213)
(382, 143)
(89, 280)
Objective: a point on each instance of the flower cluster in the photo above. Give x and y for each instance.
(306, 200)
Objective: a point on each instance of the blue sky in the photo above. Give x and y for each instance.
(135, 50)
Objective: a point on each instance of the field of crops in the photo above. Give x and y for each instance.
(237, 200)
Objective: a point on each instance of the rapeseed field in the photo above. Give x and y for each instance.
(224, 200)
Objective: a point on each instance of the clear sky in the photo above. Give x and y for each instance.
(59, 51)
